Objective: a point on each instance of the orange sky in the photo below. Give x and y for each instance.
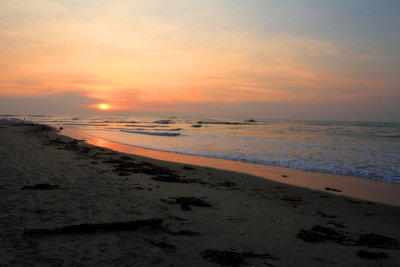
(147, 55)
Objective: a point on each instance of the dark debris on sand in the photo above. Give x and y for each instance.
(370, 255)
(332, 189)
(188, 168)
(127, 166)
(160, 244)
(323, 214)
(172, 178)
(232, 258)
(320, 233)
(40, 187)
(227, 184)
(186, 232)
(189, 200)
(97, 227)
(292, 199)
(377, 241)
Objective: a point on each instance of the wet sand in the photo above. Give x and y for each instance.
(208, 217)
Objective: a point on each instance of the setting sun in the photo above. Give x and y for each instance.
(103, 106)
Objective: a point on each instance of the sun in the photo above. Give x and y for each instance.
(103, 106)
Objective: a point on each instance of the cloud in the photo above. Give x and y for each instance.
(67, 103)
(143, 55)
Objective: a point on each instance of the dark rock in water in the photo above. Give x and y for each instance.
(332, 189)
(185, 206)
(372, 255)
(377, 241)
(251, 120)
(223, 123)
(40, 187)
(196, 125)
(162, 121)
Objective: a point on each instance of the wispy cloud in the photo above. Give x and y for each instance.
(140, 55)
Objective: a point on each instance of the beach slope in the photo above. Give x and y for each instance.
(67, 203)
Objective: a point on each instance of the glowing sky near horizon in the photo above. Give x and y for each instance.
(261, 58)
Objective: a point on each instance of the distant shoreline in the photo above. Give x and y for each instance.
(358, 149)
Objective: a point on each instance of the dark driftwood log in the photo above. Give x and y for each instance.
(97, 227)
(39, 187)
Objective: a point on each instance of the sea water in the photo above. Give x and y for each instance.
(363, 149)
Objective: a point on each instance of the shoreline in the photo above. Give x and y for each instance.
(69, 203)
(350, 186)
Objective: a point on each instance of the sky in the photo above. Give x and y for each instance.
(295, 59)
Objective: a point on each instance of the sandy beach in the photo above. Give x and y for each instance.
(67, 203)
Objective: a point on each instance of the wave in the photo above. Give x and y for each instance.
(149, 126)
(151, 133)
(225, 122)
(108, 121)
(302, 164)
(144, 129)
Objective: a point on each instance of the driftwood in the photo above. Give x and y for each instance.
(39, 187)
(97, 227)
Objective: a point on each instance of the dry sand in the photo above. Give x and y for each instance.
(252, 221)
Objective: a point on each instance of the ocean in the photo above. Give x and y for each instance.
(363, 149)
